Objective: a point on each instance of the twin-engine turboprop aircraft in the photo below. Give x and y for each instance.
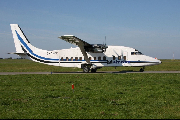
(86, 56)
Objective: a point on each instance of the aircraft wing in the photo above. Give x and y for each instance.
(74, 40)
(84, 46)
(80, 43)
(93, 48)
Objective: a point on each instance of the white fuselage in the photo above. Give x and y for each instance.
(113, 56)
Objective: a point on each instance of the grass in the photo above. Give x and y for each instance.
(100, 96)
(96, 96)
(22, 65)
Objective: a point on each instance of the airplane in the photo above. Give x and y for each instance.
(88, 57)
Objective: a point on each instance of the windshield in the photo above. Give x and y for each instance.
(136, 53)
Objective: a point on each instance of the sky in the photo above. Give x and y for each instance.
(150, 26)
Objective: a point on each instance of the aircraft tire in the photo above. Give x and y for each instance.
(86, 69)
(141, 70)
(93, 70)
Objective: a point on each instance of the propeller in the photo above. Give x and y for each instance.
(104, 45)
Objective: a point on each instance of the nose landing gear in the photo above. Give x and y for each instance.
(142, 69)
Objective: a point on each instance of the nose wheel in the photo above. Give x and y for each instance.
(142, 69)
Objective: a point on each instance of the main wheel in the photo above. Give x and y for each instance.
(93, 70)
(86, 69)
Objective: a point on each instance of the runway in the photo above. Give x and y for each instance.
(79, 72)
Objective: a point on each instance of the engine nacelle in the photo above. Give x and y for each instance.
(96, 48)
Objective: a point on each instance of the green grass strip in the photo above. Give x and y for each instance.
(100, 96)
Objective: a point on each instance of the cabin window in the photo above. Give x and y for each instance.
(71, 58)
(99, 58)
(119, 57)
(76, 58)
(66, 58)
(80, 58)
(124, 57)
(89, 58)
(104, 58)
(61, 58)
(114, 57)
(94, 58)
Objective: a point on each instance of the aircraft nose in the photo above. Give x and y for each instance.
(160, 62)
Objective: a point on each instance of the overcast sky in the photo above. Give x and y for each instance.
(150, 26)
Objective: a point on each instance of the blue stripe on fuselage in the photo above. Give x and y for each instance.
(29, 50)
(43, 58)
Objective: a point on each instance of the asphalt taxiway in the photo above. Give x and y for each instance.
(79, 72)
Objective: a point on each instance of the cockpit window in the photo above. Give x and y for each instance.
(136, 53)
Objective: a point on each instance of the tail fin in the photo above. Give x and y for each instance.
(19, 37)
(23, 47)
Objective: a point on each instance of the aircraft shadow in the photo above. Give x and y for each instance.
(123, 71)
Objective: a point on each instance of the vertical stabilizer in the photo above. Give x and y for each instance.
(17, 32)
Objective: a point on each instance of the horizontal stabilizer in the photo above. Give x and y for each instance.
(18, 53)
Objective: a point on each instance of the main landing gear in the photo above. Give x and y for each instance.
(86, 68)
(93, 70)
(142, 69)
